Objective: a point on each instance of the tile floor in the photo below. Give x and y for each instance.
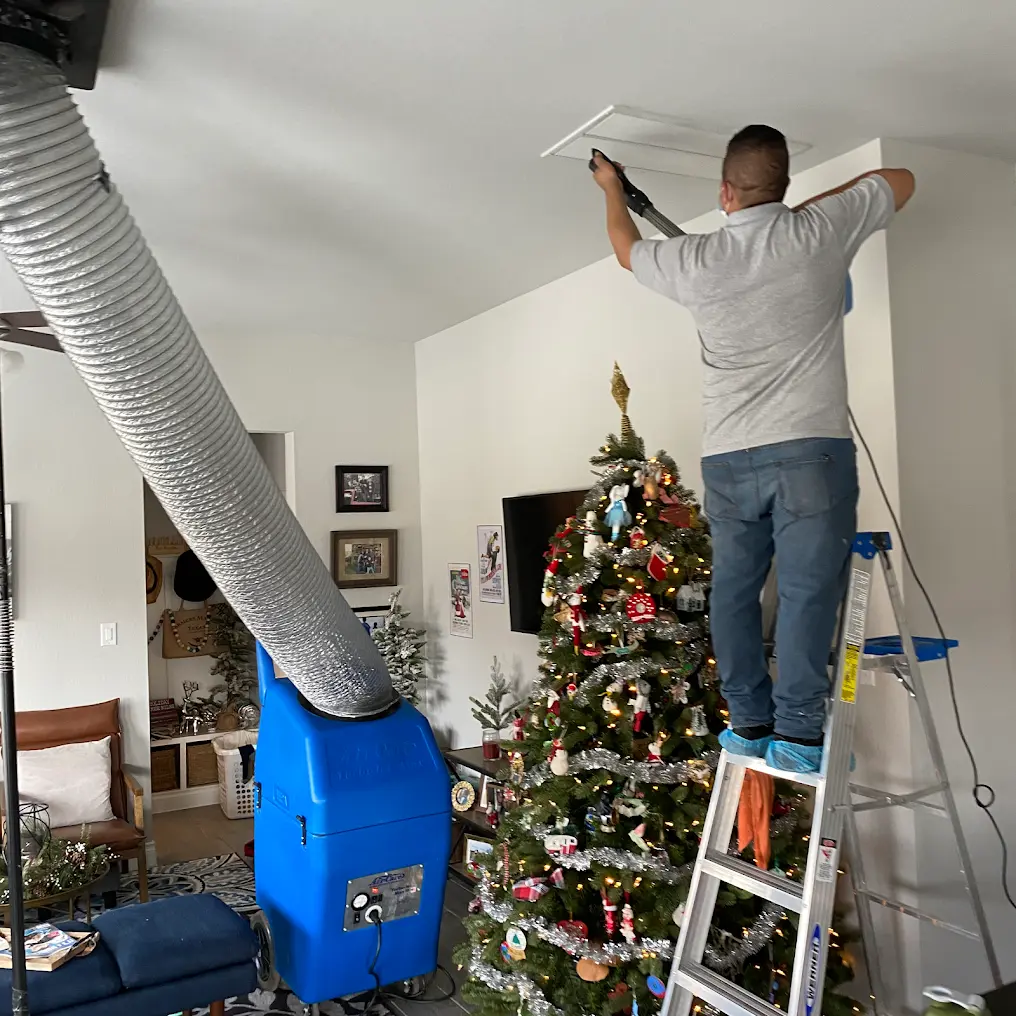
(206, 832)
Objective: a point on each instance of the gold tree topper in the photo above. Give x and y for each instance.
(620, 390)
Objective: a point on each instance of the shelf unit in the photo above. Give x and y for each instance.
(184, 795)
(474, 821)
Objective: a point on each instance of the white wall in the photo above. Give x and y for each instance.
(951, 271)
(79, 498)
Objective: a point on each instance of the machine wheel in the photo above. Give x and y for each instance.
(412, 988)
(268, 975)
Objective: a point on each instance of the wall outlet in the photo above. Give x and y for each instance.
(107, 634)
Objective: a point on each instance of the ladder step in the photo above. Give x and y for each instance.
(920, 915)
(759, 765)
(722, 995)
(926, 648)
(769, 886)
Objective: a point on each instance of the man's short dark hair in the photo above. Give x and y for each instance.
(757, 165)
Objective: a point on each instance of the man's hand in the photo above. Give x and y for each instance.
(605, 173)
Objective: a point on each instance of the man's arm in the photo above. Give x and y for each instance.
(900, 180)
(621, 228)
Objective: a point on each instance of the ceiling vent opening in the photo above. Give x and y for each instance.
(652, 141)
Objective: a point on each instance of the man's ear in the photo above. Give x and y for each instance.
(726, 196)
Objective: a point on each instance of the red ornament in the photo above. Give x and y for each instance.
(677, 513)
(609, 915)
(578, 617)
(577, 929)
(640, 608)
(637, 538)
(658, 561)
(518, 734)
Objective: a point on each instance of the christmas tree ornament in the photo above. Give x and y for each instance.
(641, 705)
(609, 704)
(563, 616)
(679, 691)
(618, 517)
(518, 768)
(506, 952)
(610, 595)
(655, 751)
(572, 690)
(518, 725)
(592, 650)
(593, 542)
(630, 806)
(707, 675)
(627, 922)
(627, 649)
(675, 512)
(590, 970)
(506, 868)
(637, 837)
(558, 758)
(651, 481)
(530, 889)
(475, 905)
(578, 617)
(641, 607)
(559, 845)
(678, 915)
(606, 814)
(609, 915)
(637, 538)
(620, 390)
(547, 596)
(557, 878)
(699, 727)
(659, 562)
(656, 987)
(493, 818)
(553, 702)
(591, 819)
(577, 929)
(516, 939)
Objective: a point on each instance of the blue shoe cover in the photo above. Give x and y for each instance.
(794, 758)
(738, 745)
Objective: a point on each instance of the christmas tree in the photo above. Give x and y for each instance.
(580, 903)
(402, 649)
(492, 713)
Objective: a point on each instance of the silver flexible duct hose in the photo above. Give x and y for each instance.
(78, 252)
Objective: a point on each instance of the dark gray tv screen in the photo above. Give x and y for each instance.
(529, 523)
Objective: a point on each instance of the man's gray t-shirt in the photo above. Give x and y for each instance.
(767, 295)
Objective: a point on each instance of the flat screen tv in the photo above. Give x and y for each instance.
(529, 523)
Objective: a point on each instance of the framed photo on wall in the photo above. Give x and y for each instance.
(366, 558)
(460, 595)
(361, 488)
(372, 618)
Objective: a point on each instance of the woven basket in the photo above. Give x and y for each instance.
(201, 767)
(165, 769)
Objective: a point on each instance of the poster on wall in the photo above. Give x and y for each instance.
(490, 540)
(461, 599)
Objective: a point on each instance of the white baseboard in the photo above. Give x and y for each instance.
(150, 854)
(191, 797)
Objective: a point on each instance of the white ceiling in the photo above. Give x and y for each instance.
(372, 169)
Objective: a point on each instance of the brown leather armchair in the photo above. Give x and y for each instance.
(125, 834)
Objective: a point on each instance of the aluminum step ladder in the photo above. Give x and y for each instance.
(833, 824)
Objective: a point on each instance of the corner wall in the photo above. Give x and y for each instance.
(952, 263)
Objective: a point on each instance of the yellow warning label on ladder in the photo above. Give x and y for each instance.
(850, 661)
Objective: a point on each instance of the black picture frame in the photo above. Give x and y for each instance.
(361, 489)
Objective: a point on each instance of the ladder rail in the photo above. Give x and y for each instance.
(938, 762)
(872, 960)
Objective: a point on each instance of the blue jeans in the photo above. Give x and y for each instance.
(797, 500)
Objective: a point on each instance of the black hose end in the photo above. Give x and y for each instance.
(32, 30)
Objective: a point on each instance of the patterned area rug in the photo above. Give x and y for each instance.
(284, 1003)
(225, 876)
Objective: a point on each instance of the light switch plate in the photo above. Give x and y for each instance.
(107, 633)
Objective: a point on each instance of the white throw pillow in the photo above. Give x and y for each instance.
(72, 780)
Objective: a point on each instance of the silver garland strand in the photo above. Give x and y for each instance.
(580, 948)
(535, 1000)
(698, 770)
(611, 857)
(665, 631)
(757, 936)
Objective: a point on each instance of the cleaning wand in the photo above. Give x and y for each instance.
(638, 201)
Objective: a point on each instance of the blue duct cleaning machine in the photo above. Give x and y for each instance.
(352, 824)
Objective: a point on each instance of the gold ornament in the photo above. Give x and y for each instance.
(620, 390)
(590, 970)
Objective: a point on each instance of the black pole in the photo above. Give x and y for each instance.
(9, 739)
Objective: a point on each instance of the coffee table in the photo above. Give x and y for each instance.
(68, 898)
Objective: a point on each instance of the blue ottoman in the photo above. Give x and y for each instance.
(168, 956)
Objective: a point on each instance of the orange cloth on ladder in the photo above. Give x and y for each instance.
(754, 811)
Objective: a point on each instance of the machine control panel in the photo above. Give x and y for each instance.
(391, 894)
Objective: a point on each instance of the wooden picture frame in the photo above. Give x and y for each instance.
(365, 559)
(361, 489)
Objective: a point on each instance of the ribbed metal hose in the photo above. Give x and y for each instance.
(78, 252)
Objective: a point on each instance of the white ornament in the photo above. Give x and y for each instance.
(628, 924)
(618, 515)
(699, 727)
(593, 540)
(609, 705)
(678, 915)
(559, 760)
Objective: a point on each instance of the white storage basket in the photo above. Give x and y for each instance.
(235, 796)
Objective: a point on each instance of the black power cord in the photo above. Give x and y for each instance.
(983, 793)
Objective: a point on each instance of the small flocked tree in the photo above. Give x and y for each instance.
(581, 901)
(234, 656)
(402, 649)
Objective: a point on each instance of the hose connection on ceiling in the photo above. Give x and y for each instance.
(76, 249)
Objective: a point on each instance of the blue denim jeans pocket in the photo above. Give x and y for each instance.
(818, 481)
(721, 488)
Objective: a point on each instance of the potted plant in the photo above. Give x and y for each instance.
(492, 714)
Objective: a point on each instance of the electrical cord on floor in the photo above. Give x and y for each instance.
(983, 793)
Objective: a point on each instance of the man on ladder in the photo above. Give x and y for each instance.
(767, 294)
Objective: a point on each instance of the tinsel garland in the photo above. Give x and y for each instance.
(605, 954)
(665, 631)
(627, 860)
(626, 672)
(754, 939)
(698, 770)
(535, 1000)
